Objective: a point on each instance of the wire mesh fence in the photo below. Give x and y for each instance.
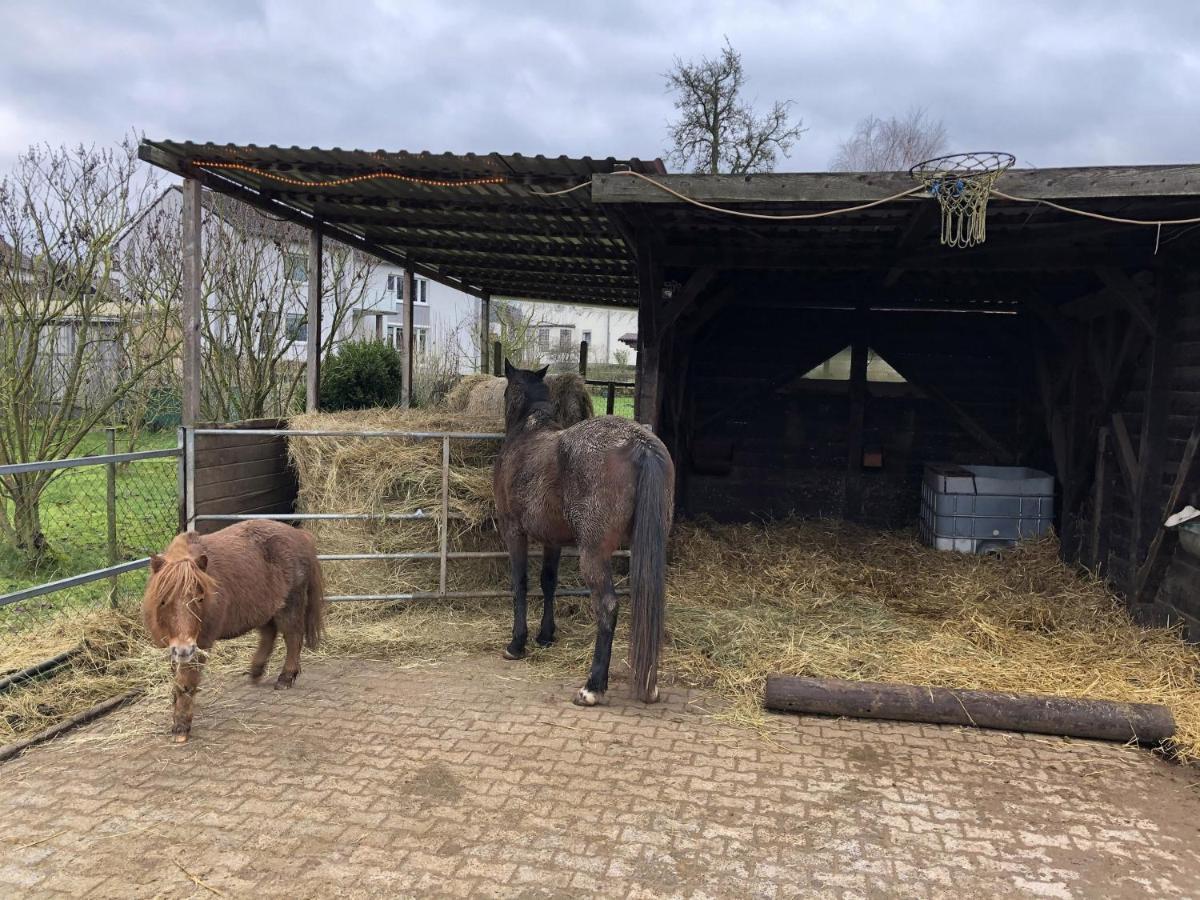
(75, 532)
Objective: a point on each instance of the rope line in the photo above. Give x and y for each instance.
(1095, 215)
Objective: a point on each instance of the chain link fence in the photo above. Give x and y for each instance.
(98, 518)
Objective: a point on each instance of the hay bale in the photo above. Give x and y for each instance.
(482, 397)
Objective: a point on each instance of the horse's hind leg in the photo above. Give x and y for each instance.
(597, 572)
(293, 636)
(518, 552)
(550, 559)
(266, 645)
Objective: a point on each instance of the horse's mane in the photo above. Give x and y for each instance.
(180, 577)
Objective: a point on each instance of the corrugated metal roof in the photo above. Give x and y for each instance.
(492, 233)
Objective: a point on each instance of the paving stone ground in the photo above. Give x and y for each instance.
(472, 779)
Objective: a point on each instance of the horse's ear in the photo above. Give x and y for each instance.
(509, 371)
(202, 562)
(156, 562)
(541, 373)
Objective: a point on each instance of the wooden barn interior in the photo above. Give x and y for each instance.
(813, 364)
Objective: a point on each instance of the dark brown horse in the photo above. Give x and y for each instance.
(257, 574)
(598, 484)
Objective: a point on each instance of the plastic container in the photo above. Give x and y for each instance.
(979, 509)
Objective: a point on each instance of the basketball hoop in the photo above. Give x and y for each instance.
(962, 183)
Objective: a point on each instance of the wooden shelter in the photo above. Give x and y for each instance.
(814, 364)
(1066, 342)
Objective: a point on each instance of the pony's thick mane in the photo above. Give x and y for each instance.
(180, 577)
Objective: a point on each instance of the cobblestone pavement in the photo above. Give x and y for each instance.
(468, 779)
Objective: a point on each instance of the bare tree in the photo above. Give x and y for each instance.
(72, 349)
(520, 333)
(718, 129)
(891, 145)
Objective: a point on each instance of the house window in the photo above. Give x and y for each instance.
(295, 267)
(420, 291)
(543, 339)
(393, 281)
(297, 327)
(587, 336)
(421, 334)
(564, 338)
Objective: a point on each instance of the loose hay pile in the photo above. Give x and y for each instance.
(482, 397)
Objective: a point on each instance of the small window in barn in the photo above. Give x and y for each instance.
(296, 267)
(297, 327)
(837, 368)
(543, 339)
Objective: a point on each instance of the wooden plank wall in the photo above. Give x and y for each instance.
(763, 446)
(243, 474)
(1172, 592)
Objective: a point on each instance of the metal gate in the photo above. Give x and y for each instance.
(444, 514)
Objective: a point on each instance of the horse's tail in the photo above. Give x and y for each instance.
(652, 511)
(314, 612)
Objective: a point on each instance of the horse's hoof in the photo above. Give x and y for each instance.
(653, 698)
(545, 642)
(584, 697)
(284, 682)
(181, 738)
(256, 677)
(512, 655)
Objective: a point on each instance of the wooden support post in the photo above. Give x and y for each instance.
(852, 498)
(406, 377)
(583, 358)
(610, 399)
(315, 288)
(485, 329)
(1152, 447)
(646, 394)
(192, 320)
(497, 359)
(1098, 488)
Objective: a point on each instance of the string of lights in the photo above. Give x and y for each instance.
(352, 179)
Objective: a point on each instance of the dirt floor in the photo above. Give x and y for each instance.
(473, 779)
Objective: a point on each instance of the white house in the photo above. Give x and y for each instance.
(445, 320)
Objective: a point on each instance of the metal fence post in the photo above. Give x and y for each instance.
(445, 515)
(110, 505)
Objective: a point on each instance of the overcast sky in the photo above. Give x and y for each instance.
(1055, 83)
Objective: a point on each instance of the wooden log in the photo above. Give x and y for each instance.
(1105, 720)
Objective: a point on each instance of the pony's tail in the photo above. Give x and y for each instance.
(652, 511)
(314, 612)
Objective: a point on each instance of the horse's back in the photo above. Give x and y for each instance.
(259, 564)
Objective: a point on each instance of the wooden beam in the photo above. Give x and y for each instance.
(1085, 183)
(1098, 498)
(646, 392)
(697, 283)
(485, 329)
(193, 274)
(964, 419)
(852, 495)
(1127, 460)
(702, 314)
(1122, 287)
(408, 292)
(1152, 447)
(313, 349)
(918, 224)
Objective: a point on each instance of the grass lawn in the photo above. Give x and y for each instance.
(74, 520)
(622, 406)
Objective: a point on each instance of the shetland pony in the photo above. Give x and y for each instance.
(597, 484)
(202, 589)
